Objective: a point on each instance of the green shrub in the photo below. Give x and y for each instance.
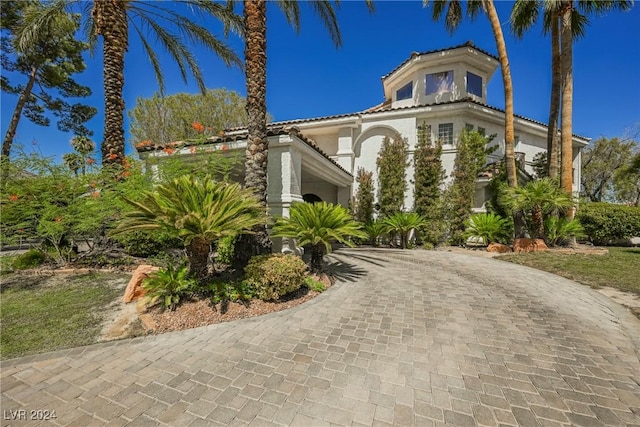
(225, 250)
(30, 259)
(486, 228)
(145, 243)
(313, 284)
(231, 291)
(275, 275)
(168, 286)
(604, 223)
(561, 230)
(375, 230)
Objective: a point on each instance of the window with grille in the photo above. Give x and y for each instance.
(445, 133)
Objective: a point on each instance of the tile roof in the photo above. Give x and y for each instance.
(384, 107)
(414, 54)
(273, 130)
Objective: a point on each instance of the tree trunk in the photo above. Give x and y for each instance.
(554, 105)
(566, 172)
(255, 18)
(537, 218)
(198, 254)
(509, 134)
(317, 252)
(110, 18)
(17, 114)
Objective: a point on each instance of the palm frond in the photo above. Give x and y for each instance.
(291, 11)
(523, 15)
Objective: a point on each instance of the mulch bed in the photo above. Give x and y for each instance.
(193, 314)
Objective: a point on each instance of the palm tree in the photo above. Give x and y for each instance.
(255, 26)
(112, 19)
(318, 225)
(201, 211)
(571, 17)
(453, 17)
(537, 199)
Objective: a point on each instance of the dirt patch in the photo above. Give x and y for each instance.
(627, 299)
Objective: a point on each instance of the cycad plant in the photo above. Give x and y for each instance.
(375, 230)
(560, 230)
(403, 223)
(200, 210)
(318, 225)
(487, 228)
(168, 286)
(536, 200)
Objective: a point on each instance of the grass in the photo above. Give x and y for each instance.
(37, 316)
(617, 269)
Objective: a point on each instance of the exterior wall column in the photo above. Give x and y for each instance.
(345, 155)
(284, 173)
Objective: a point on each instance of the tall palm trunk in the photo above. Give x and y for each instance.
(509, 134)
(17, 113)
(554, 105)
(110, 18)
(566, 39)
(255, 18)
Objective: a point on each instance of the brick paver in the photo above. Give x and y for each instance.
(405, 337)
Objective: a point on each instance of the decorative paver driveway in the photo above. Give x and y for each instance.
(407, 338)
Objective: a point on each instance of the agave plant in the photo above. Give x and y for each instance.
(318, 225)
(403, 223)
(168, 286)
(201, 211)
(561, 229)
(486, 228)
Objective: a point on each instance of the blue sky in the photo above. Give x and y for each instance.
(309, 77)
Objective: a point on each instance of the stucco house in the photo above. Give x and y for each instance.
(317, 158)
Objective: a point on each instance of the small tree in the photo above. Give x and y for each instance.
(471, 157)
(201, 211)
(392, 163)
(403, 223)
(537, 200)
(318, 224)
(46, 66)
(428, 177)
(364, 196)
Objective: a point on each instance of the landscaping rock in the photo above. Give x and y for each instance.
(134, 288)
(498, 248)
(529, 245)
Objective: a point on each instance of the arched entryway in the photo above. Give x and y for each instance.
(311, 198)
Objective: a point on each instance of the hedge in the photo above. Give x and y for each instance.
(604, 223)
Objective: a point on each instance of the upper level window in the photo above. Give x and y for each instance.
(482, 131)
(468, 127)
(474, 84)
(405, 92)
(445, 133)
(437, 83)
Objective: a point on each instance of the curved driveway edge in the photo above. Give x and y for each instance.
(405, 337)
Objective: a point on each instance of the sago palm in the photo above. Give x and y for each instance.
(537, 199)
(487, 228)
(318, 225)
(201, 211)
(403, 223)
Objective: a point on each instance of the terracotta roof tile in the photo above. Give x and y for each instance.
(273, 130)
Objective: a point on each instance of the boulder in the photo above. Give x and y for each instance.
(498, 248)
(529, 245)
(134, 288)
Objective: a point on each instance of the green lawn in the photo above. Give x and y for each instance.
(620, 268)
(40, 314)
